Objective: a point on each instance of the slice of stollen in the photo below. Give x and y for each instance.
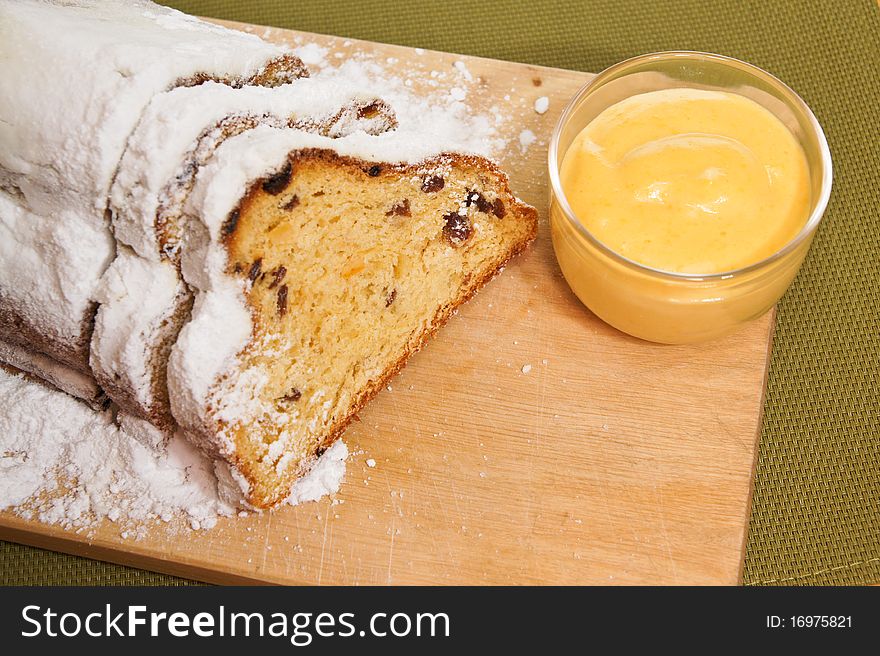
(320, 266)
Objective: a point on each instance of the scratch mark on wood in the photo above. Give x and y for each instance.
(323, 545)
(666, 541)
(390, 553)
(266, 544)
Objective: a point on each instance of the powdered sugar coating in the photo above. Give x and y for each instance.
(49, 265)
(107, 472)
(75, 77)
(323, 478)
(77, 166)
(137, 296)
(102, 61)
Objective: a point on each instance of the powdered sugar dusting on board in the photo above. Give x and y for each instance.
(75, 467)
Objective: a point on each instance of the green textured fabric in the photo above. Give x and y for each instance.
(21, 565)
(816, 506)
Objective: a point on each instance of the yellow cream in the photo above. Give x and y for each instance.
(688, 181)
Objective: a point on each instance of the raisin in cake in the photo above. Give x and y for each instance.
(320, 266)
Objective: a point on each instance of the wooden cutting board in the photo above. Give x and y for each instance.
(528, 443)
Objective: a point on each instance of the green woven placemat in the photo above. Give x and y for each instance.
(816, 509)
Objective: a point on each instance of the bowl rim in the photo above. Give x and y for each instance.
(809, 227)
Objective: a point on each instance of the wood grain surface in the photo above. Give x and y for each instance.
(528, 443)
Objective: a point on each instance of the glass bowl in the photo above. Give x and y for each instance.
(664, 306)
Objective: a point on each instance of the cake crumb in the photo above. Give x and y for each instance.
(526, 368)
(371, 462)
(542, 104)
(462, 68)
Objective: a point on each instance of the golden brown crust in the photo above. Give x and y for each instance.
(277, 71)
(265, 494)
(168, 216)
(280, 70)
